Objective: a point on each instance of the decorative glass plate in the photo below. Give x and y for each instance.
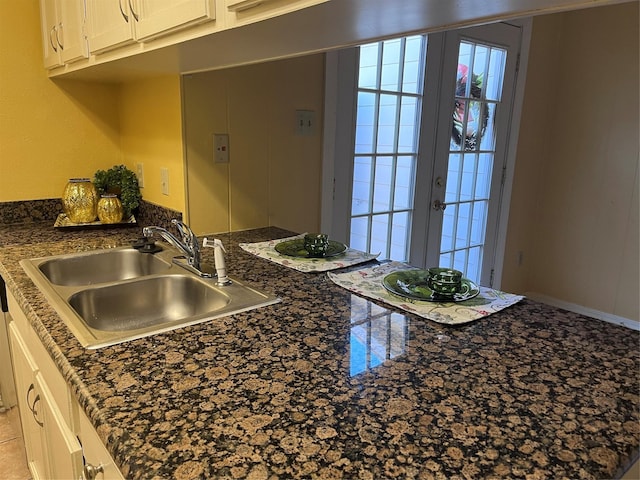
(295, 248)
(413, 284)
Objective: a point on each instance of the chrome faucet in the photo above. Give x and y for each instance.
(187, 244)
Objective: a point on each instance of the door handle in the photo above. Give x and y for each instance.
(438, 205)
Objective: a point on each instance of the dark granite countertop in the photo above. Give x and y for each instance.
(329, 385)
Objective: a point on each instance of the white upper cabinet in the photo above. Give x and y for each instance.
(162, 16)
(241, 12)
(113, 23)
(63, 39)
(109, 24)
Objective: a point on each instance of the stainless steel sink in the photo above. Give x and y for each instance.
(112, 296)
(100, 267)
(148, 302)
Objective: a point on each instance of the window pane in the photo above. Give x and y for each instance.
(478, 223)
(365, 122)
(403, 191)
(390, 74)
(480, 63)
(495, 74)
(448, 227)
(359, 233)
(413, 64)
(488, 138)
(446, 260)
(387, 119)
(408, 131)
(463, 224)
(483, 177)
(474, 262)
(382, 185)
(460, 261)
(452, 191)
(399, 236)
(368, 73)
(468, 177)
(379, 231)
(362, 181)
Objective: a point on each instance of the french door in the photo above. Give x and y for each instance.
(422, 131)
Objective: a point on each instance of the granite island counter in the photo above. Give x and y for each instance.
(326, 384)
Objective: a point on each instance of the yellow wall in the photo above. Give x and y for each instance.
(151, 126)
(274, 175)
(52, 130)
(574, 211)
(49, 131)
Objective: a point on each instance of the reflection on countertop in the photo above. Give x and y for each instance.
(327, 384)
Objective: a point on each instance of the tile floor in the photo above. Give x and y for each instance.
(13, 464)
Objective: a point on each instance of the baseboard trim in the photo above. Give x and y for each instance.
(589, 312)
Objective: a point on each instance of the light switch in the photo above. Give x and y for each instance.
(305, 122)
(140, 174)
(164, 181)
(221, 148)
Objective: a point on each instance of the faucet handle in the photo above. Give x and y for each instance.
(185, 232)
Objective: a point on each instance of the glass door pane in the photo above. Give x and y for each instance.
(478, 90)
(389, 98)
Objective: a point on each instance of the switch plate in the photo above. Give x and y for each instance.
(221, 148)
(140, 174)
(164, 181)
(305, 122)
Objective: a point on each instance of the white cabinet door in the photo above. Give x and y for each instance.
(96, 455)
(53, 451)
(29, 404)
(156, 17)
(62, 447)
(71, 26)
(50, 33)
(114, 23)
(63, 39)
(240, 12)
(109, 24)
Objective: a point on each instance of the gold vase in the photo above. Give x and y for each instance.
(110, 209)
(80, 200)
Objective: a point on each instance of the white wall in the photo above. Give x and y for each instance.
(273, 177)
(574, 212)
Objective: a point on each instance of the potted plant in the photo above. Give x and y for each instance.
(123, 182)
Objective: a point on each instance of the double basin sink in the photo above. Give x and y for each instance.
(111, 296)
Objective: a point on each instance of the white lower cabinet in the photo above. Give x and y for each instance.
(53, 451)
(24, 372)
(60, 441)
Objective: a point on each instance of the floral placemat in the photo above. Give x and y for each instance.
(368, 282)
(267, 250)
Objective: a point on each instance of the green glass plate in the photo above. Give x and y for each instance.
(295, 248)
(413, 284)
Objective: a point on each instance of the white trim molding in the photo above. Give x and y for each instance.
(589, 312)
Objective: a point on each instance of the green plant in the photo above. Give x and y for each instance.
(121, 181)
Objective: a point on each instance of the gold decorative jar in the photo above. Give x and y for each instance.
(110, 209)
(80, 200)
